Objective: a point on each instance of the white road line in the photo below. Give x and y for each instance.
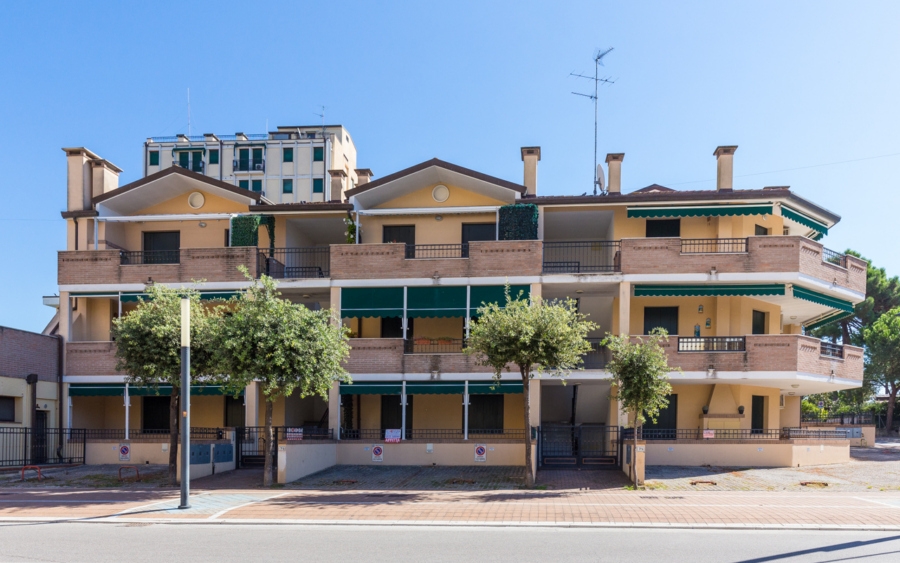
(221, 512)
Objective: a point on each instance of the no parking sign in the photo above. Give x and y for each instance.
(124, 452)
(480, 452)
(377, 453)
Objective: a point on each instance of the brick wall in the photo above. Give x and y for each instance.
(387, 261)
(385, 355)
(23, 352)
(103, 266)
(91, 358)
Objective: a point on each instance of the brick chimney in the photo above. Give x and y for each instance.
(337, 185)
(724, 166)
(614, 163)
(531, 156)
(363, 176)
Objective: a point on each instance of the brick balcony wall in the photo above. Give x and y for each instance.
(91, 358)
(385, 355)
(776, 352)
(764, 254)
(23, 352)
(78, 267)
(387, 261)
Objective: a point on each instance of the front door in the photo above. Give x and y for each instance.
(666, 422)
(758, 414)
(478, 231)
(663, 317)
(234, 411)
(392, 414)
(155, 413)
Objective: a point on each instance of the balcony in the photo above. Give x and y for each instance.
(582, 257)
(192, 165)
(712, 344)
(397, 260)
(294, 263)
(598, 357)
(249, 165)
(434, 346)
(388, 355)
(140, 258)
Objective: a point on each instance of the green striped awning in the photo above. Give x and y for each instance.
(436, 301)
(118, 390)
(698, 211)
(822, 299)
(709, 290)
(804, 220)
(430, 388)
(834, 317)
(133, 297)
(371, 302)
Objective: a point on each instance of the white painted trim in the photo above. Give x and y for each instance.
(432, 210)
(112, 379)
(489, 280)
(182, 217)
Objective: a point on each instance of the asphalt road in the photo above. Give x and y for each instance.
(203, 542)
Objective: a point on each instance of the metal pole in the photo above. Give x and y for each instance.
(466, 409)
(185, 402)
(127, 411)
(403, 410)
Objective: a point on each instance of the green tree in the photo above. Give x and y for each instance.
(640, 373)
(534, 335)
(284, 346)
(148, 348)
(882, 341)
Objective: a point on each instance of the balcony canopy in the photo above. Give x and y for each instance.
(797, 217)
(658, 212)
(822, 299)
(709, 290)
(423, 302)
(431, 388)
(118, 390)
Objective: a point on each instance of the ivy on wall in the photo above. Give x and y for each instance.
(519, 222)
(245, 229)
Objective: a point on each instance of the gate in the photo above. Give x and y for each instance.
(251, 446)
(594, 447)
(41, 446)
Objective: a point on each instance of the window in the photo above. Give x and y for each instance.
(155, 412)
(318, 154)
(287, 186)
(757, 413)
(214, 156)
(667, 419)
(244, 184)
(154, 158)
(234, 411)
(318, 186)
(399, 233)
(662, 317)
(485, 412)
(256, 185)
(392, 412)
(663, 228)
(392, 327)
(287, 155)
(7, 409)
(759, 322)
(479, 231)
(227, 238)
(761, 231)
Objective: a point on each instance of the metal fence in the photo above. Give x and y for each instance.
(712, 344)
(582, 257)
(197, 433)
(832, 257)
(245, 165)
(434, 346)
(377, 434)
(598, 357)
(795, 433)
(713, 245)
(140, 257)
(41, 446)
(734, 434)
(843, 419)
(414, 251)
(287, 263)
(831, 350)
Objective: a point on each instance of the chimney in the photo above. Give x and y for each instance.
(724, 167)
(105, 177)
(337, 185)
(614, 163)
(78, 178)
(363, 176)
(531, 156)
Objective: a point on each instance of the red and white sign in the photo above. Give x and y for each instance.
(480, 452)
(392, 436)
(377, 453)
(124, 452)
(709, 434)
(293, 434)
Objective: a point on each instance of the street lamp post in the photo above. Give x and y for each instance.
(185, 402)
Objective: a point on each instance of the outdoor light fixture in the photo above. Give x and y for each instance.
(435, 374)
(790, 393)
(579, 291)
(713, 271)
(438, 217)
(795, 385)
(741, 409)
(700, 309)
(711, 371)
(305, 296)
(202, 225)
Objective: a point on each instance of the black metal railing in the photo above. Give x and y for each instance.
(141, 257)
(582, 257)
(598, 357)
(290, 263)
(434, 346)
(861, 418)
(41, 446)
(249, 165)
(832, 257)
(831, 350)
(192, 165)
(805, 433)
(712, 344)
(197, 433)
(713, 245)
(303, 433)
(700, 434)
(435, 434)
(414, 251)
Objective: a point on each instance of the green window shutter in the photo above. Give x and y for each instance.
(154, 158)
(318, 154)
(257, 155)
(244, 184)
(214, 156)
(257, 185)
(184, 158)
(288, 155)
(287, 186)
(318, 186)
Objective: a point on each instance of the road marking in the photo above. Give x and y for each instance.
(221, 512)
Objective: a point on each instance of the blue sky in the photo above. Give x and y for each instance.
(808, 90)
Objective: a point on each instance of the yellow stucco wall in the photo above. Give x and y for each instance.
(729, 316)
(514, 411)
(699, 227)
(437, 412)
(724, 399)
(414, 453)
(428, 230)
(370, 411)
(459, 197)
(746, 455)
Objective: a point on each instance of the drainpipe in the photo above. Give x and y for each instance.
(60, 356)
(466, 410)
(31, 379)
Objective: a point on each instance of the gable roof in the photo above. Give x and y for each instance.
(653, 188)
(178, 171)
(438, 163)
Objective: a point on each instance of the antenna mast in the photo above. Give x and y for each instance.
(598, 62)
(189, 112)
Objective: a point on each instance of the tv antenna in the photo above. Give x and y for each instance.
(189, 112)
(322, 115)
(598, 62)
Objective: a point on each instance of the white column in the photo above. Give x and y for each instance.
(625, 308)
(334, 409)
(403, 410)
(127, 412)
(468, 308)
(251, 404)
(466, 411)
(69, 413)
(404, 322)
(96, 233)
(497, 224)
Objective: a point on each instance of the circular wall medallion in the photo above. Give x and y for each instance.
(440, 193)
(196, 200)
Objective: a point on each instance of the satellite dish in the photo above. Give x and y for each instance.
(601, 180)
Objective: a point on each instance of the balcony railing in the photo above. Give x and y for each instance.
(197, 433)
(435, 434)
(289, 263)
(713, 245)
(434, 346)
(598, 357)
(831, 350)
(712, 344)
(249, 165)
(840, 419)
(582, 257)
(832, 257)
(302, 433)
(141, 257)
(192, 165)
(805, 433)
(414, 251)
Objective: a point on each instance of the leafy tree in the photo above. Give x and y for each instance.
(882, 341)
(535, 335)
(640, 373)
(148, 348)
(284, 346)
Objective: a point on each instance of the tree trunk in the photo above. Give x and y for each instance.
(845, 333)
(270, 446)
(173, 436)
(633, 469)
(529, 467)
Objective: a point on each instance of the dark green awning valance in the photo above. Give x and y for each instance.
(834, 317)
(430, 388)
(118, 390)
(189, 149)
(481, 294)
(435, 388)
(371, 388)
(204, 296)
(493, 388)
(704, 211)
(822, 299)
(436, 301)
(371, 302)
(709, 290)
(798, 217)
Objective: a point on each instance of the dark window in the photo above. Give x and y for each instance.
(663, 228)
(479, 231)
(7, 409)
(761, 231)
(256, 185)
(318, 186)
(227, 238)
(392, 327)
(318, 154)
(667, 419)
(287, 155)
(214, 156)
(184, 159)
(758, 413)
(154, 158)
(665, 317)
(155, 412)
(287, 186)
(257, 157)
(485, 412)
(162, 240)
(244, 184)
(392, 414)
(234, 411)
(759, 322)
(399, 233)
(243, 161)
